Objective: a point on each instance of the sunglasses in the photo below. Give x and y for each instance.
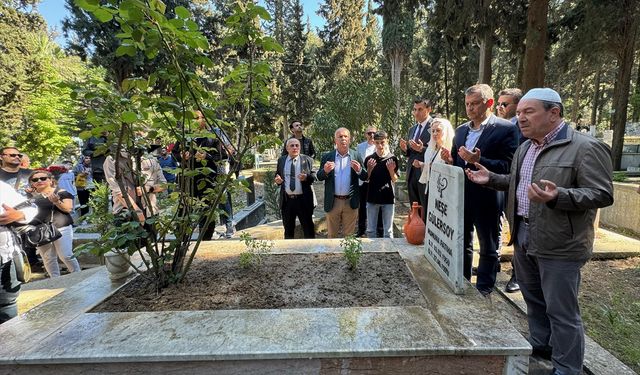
(36, 179)
(13, 155)
(371, 133)
(504, 104)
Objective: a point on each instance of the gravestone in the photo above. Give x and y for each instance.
(445, 220)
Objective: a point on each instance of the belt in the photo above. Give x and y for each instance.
(524, 219)
(294, 196)
(341, 196)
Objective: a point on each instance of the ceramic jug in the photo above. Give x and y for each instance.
(414, 227)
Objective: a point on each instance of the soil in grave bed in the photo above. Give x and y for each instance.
(282, 281)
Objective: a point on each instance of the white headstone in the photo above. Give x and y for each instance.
(445, 222)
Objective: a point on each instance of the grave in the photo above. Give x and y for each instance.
(445, 219)
(452, 333)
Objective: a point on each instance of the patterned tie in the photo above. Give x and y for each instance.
(292, 176)
(417, 135)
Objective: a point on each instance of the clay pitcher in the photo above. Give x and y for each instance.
(414, 227)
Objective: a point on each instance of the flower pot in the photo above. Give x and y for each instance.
(414, 227)
(117, 264)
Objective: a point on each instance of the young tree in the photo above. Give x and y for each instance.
(135, 106)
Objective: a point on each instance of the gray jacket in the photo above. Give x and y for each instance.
(581, 168)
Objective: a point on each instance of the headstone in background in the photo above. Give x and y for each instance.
(445, 221)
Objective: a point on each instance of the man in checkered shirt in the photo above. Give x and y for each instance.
(559, 178)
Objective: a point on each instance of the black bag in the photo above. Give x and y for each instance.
(39, 234)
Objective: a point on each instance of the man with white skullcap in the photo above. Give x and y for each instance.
(558, 179)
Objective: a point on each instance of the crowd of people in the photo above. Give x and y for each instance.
(521, 160)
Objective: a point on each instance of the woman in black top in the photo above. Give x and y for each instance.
(54, 205)
(382, 167)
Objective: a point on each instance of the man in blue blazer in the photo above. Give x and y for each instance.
(490, 141)
(295, 175)
(414, 147)
(340, 171)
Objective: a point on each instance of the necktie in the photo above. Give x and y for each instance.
(292, 176)
(417, 135)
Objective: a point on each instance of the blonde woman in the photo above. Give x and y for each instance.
(54, 205)
(441, 138)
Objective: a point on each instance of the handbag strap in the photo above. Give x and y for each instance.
(55, 191)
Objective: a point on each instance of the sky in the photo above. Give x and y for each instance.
(54, 11)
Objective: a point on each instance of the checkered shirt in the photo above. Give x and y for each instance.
(526, 170)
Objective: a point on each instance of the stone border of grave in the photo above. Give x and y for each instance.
(456, 332)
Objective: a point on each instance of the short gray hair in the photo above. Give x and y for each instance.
(483, 89)
(548, 105)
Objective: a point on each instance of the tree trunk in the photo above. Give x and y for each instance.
(596, 98)
(629, 29)
(577, 93)
(446, 85)
(486, 47)
(396, 59)
(636, 102)
(536, 45)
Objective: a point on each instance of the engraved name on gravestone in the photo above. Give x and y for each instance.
(445, 214)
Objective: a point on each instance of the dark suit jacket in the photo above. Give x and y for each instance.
(307, 189)
(497, 144)
(329, 182)
(411, 154)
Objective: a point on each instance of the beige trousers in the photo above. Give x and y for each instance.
(342, 219)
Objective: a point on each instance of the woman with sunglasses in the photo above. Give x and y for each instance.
(54, 205)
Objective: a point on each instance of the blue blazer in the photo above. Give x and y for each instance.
(497, 144)
(329, 180)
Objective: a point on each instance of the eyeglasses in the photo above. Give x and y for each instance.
(504, 104)
(294, 145)
(371, 133)
(14, 155)
(36, 179)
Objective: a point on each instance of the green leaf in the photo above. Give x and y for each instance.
(270, 44)
(260, 11)
(129, 117)
(182, 12)
(177, 23)
(103, 15)
(125, 50)
(87, 5)
(159, 5)
(191, 25)
(137, 35)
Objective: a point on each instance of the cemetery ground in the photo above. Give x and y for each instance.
(609, 294)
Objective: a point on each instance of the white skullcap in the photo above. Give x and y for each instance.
(546, 94)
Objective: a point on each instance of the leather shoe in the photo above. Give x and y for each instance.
(512, 285)
(542, 352)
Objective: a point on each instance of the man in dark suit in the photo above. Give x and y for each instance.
(490, 141)
(295, 176)
(414, 147)
(340, 171)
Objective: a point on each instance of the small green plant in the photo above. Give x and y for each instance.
(352, 247)
(256, 250)
(620, 176)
